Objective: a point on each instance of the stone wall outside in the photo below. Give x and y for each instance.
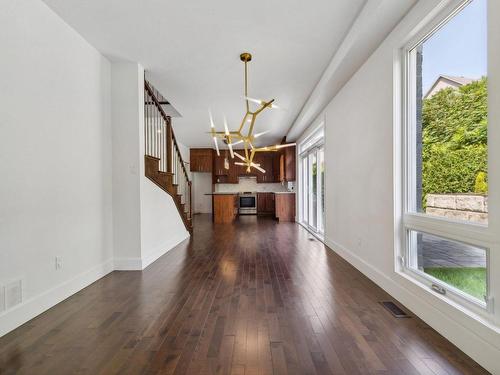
(469, 207)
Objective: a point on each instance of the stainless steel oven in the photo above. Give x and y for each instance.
(248, 203)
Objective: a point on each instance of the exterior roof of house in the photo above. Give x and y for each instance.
(447, 81)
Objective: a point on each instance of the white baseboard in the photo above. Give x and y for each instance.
(163, 249)
(483, 352)
(127, 264)
(20, 314)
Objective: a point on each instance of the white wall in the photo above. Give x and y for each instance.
(363, 183)
(161, 225)
(146, 221)
(72, 164)
(127, 163)
(201, 185)
(55, 159)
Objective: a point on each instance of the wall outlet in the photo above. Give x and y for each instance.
(13, 294)
(59, 263)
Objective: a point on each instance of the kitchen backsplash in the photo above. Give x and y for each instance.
(250, 184)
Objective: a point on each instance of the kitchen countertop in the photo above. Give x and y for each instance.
(221, 193)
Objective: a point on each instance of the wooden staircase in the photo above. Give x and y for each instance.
(163, 160)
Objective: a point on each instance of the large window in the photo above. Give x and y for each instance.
(312, 183)
(446, 166)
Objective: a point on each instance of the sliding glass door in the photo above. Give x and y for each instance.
(313, 189)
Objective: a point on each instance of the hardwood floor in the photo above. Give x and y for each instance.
(255, 297)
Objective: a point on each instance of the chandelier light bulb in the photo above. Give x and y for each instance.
(216, 145)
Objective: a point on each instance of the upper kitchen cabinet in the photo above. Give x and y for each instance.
(279, 166)
(233, 172)
(240, 170)
(223, 175)
(265, 159)
(201, 159)
(219, 161)
(276, 156)
(290, 164)
(287, 164)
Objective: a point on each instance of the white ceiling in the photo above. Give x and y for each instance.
(191, 49)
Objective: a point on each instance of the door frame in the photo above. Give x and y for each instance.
(304, 181)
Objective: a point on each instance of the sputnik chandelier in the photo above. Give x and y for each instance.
(232, 138)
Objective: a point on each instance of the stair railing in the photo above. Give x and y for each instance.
(160, 143)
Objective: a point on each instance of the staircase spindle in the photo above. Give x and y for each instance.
(148, 126)
(156, 132)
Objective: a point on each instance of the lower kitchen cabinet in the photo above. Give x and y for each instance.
(265, 203)
(225, 207)
(285, 206)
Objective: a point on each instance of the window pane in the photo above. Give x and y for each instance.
(305, 191)
(313, 190)
(321, 192)
(457, 264)
(451, 135)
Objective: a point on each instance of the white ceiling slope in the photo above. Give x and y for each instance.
(190, 50)
(375, 21)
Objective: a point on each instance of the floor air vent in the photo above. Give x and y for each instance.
(394, 309)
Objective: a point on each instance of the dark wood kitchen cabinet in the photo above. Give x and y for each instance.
(223, 175)
(290, 164)
(285, 206)
(279, 166)
(276, 166)
(201, 159)
(265, 203)
(287, 164)
(265, 159)
(219, 169)
(225, 207)
(234, 172)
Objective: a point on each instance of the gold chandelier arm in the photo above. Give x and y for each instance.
(274, 147)
(264, 106)
(223, 134)
(252, 154)
(246, 87)
(246, 150)
(250, 129)
(243, 122)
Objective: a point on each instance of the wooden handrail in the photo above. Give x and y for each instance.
(157, 104)
(169, 129)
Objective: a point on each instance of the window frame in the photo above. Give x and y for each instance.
(313, 142)
(474, 234)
